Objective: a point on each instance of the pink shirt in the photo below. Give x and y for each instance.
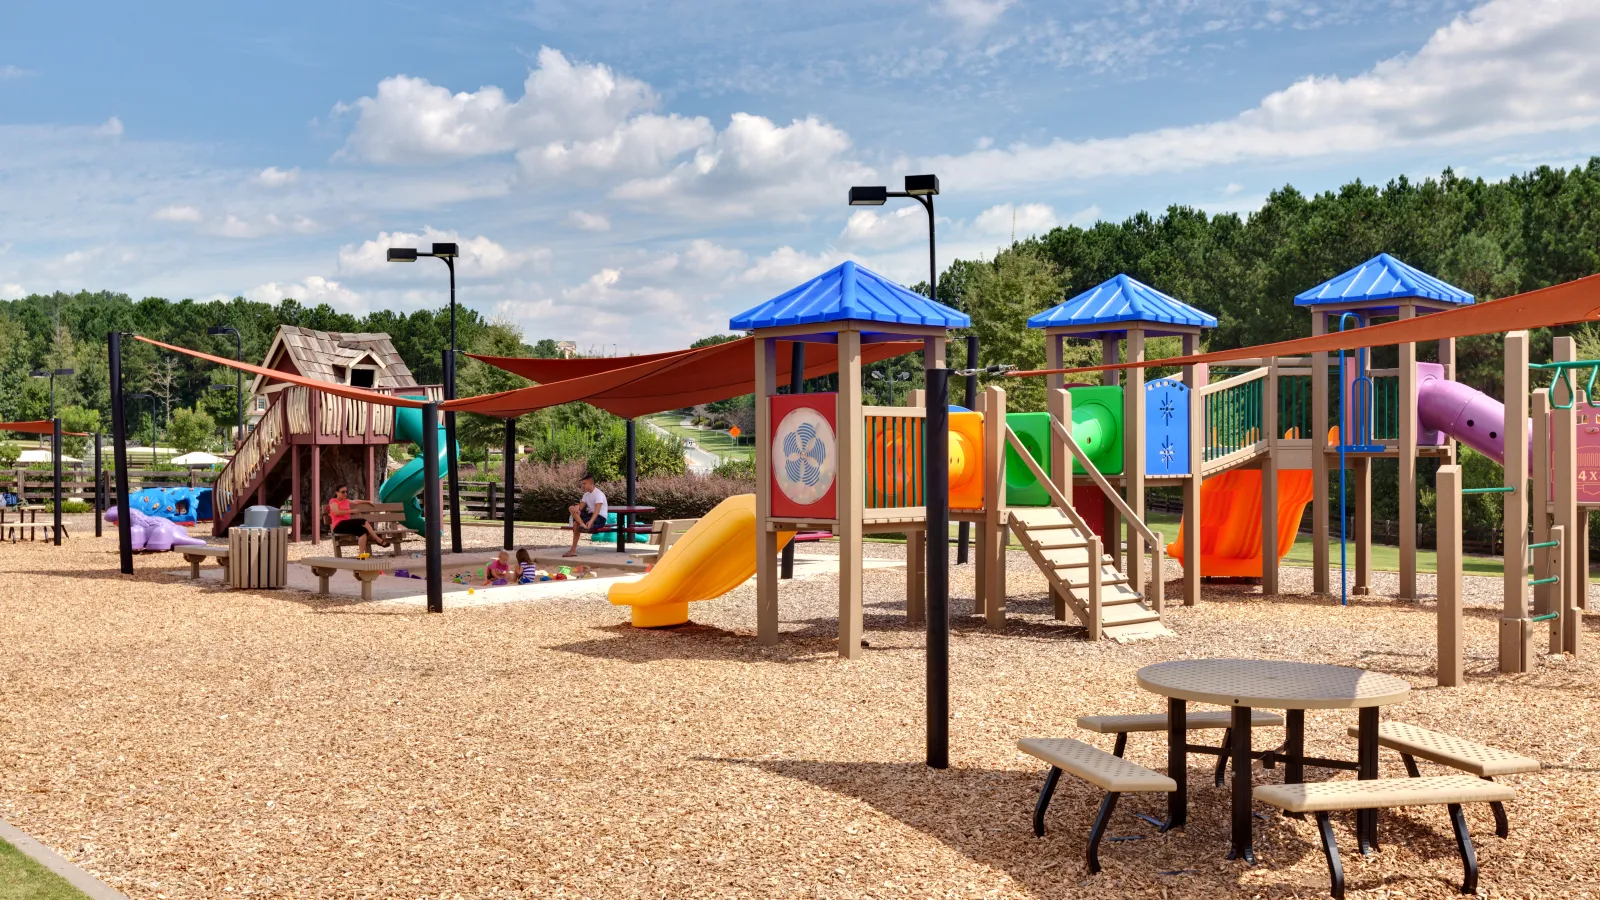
(338, 511)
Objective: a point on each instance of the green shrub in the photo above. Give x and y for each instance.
(736, 467)
(603, 450)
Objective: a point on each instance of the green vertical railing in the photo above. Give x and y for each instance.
(1233, 419)
(1386, 408)
(894, 476)
(1294, 406)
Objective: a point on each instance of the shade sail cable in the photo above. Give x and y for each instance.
(328, 387)
(1561, 304)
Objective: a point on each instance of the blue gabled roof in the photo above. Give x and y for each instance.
(1381, 278)
(1122, 300)
(849, 291)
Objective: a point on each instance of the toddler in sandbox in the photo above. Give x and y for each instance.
(529, 572)
(499, 568)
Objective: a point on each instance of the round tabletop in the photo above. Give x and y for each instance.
(1271, 684)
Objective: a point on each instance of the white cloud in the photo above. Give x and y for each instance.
(412, 120)
(176, 213)
(479, 257)
(8, 72)
(900, 225)
(272, 176)
(311, 290)
(588, 221)
(643, 144)
(12, 291)
(755, 167)
(1508, 67)
(974, 14)
(1009, 219)
(705, 257)
(1233, 187)
(111, 128)
(788, 267)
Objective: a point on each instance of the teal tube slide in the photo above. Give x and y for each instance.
(405, 486)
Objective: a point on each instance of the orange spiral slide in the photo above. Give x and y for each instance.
(1230, 520)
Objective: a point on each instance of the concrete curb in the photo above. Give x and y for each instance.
(91, 886)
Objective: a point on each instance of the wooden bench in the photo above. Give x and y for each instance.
(387, 519)
(196, 555)
(367, 570)
(1113, 774)
(665, 532)
(1326, 797)
(1412, 741)
(1208, 720)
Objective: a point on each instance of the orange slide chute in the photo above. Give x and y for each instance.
(1230, 521)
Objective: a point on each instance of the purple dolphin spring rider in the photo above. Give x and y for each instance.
(151, 533)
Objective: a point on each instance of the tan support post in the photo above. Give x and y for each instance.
(1054, 355)
(1192, 378)
(916, 549)
(1451, 654)
(766, 362)
(1538, 511)
(1408, 462)
(1564, 444)
(1133, 443)
(1319, 458)
(994, 503)
(852, 494)
(1269, 484)
(1092, 601)
(1110, 516)
(1059, 402)
(1516, 634)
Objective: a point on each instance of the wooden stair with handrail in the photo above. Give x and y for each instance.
(1069, 555)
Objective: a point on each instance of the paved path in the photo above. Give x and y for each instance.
(700, 461)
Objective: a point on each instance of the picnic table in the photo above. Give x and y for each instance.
(1247, 684)
(626, 523)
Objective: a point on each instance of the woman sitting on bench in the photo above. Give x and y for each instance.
(343, 523)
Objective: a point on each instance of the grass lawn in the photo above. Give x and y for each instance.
(23, 879)
(718, 442)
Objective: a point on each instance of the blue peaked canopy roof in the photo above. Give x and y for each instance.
(1126, 302)
(849, 291)
(1382, 278)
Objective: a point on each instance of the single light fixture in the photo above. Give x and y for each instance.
(39, 373)
(402, 254)
(224, 329)
(869, 196)
(220, 387)
(446, 251)
(922, 185)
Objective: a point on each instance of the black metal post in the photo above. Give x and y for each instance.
(1177, 763)
(965, 533)
(55, 450)
(937, 466)
(1242, 841)
(1366, 769)
(99, 495)
(430, 505)
(119, 453)
(452, 464)
(631, 480)
(797, 385)
(509, 504)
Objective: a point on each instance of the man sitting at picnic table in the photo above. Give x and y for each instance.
(339, 509)
(588, 514)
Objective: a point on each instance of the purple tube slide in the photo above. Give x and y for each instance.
(1451, 409)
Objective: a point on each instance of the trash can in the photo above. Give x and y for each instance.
(260, 516)
(258, 557)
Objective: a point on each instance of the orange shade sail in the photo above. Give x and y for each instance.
(38, 426)
(633, 386)
(1561, 304)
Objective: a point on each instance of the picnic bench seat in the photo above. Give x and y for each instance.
(1412, 741)
(387, 519)
(1113, 774)
(1326, 797)
(1206, 720)
(194, 556)
(367, 570)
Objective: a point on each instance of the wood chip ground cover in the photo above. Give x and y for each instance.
(184, 741)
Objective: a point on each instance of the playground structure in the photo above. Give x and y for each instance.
(186, 505)
(307, 441)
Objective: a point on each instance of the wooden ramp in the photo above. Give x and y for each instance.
(1060, 549)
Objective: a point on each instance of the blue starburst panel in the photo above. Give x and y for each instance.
(1166, 427)
(805, 456)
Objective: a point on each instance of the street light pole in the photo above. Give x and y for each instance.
(51, 374)
(238, 375)
(447, 252)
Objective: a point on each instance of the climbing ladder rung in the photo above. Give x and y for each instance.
(1062, 545)
(1104, 582)
(1083, 564)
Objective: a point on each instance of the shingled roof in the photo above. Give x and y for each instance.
(314, 354)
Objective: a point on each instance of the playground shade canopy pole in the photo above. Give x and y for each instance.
(509, 505)
(1562, 304)
(119, 452)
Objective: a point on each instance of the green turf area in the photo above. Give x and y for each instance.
(23, 879)
(718, 442)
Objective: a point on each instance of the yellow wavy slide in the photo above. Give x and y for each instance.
(715, 556)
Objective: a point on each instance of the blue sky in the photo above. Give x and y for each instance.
(632, 174)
